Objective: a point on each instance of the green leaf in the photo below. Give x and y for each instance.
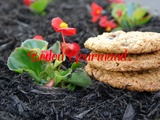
(48, 72)
(61, 75)
(32, 44)
(79, 78)
(40, 5)
(125, 24)
(113, 5)
(131, 8)
(75, 65)
(139, 13)
(19, 62)
(121, 7)
(141, 16)
(144, 20)
(56, 48)
(71, 87)
(117, 28)
(58, 61)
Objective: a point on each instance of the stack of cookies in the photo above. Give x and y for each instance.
(128, 60)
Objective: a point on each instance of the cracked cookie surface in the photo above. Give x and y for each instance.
(148, 80)
(135, 42)
(131, 62)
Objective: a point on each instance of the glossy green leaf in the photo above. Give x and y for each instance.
(130, 9)
(79, 78)
(75, 65)
(58, 61)
(48, 72)
(117, 29)
(139, 13)
(61, 75)
(113, 5)
(40, 5)
(56, 48)
(144, 20)
(125, 24)
(32, 44)
(71, 87)
(121, 7)
(19, 61)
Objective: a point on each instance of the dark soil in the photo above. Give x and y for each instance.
(21, 99)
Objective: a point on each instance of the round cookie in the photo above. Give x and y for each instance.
(139, 81)
(117, 42)
(131, 62)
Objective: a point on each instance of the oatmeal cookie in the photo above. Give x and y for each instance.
(148, 80)
(125, 62)
(116, 42)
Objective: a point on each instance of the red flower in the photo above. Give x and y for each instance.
(60, 26)
(116, 1)
(38, 37)
(70, 49)
(96, 11)
(105, 23)
(28, 2)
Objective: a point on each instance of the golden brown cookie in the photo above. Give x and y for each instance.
(117, 42)
(148, 80)
(124, 62)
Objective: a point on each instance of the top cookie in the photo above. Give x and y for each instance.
(134, 42)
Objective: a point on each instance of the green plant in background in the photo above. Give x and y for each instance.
(130, 14)
(37, 6)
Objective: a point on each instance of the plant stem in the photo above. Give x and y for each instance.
(63, 50)
(63, 37)
(59, 67)
(64, 46)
